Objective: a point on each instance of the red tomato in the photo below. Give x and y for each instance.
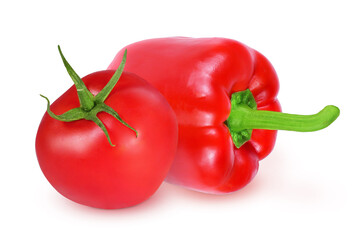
(78, 161)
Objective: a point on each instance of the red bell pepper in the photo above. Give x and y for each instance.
(220, 140)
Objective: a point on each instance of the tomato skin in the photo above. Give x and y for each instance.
(78, 161)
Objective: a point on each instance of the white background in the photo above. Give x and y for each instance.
(307, 188)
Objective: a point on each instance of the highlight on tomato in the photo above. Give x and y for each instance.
(109, 141)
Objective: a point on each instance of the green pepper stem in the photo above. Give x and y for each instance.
(244, 117)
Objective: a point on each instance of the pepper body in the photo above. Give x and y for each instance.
(198, 77)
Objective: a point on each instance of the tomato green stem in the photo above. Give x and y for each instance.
(90, 106)
(244, 117)
(104, 93)
(85, 97)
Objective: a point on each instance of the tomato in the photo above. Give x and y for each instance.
(80, 163)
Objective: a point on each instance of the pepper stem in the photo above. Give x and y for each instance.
(90, 106)
(244, 117)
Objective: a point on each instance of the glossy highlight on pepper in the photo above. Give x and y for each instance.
(224, 94)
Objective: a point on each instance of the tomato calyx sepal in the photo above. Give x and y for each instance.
(90, 105)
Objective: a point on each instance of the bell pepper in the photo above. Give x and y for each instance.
(224, 94)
